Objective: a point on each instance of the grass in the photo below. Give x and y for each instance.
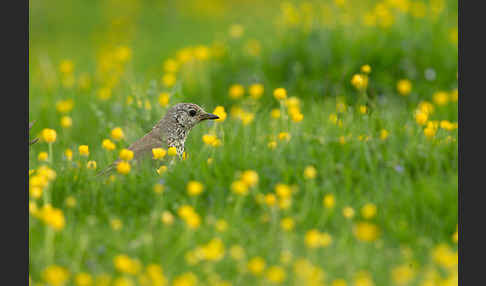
(409, 177)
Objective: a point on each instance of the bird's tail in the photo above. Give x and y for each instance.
(108, 170)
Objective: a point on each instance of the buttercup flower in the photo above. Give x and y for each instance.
(404, 87)
(280, 93)
(256, 90)
(158, 153)
(49, 135)
(164, 98)
(117, 133)
(83, 150)
(123, 167)
(126, 154)
(194, 188)
(108, 144)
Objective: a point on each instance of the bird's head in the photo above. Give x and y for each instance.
(187, 115)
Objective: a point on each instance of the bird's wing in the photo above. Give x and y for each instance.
(142, 149)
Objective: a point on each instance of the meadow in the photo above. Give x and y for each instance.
(334, 161)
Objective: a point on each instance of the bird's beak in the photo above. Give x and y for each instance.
(209, 116)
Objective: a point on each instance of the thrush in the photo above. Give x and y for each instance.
(170, 131)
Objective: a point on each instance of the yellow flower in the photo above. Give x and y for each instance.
(91, 165)
(64, 106)
(221, 225)
(219, 111)
(283, 190)
(83, 279)
(421, 117)
(172, 151)
(117, 133)
(284, 136)
(383, 134)
(52, 217)
(426, 107)
(256, 265)
(359, 81)
(455, 237)
(164, 99)
(239, 188)
(287, 224)
(256, 90)
(104, 93)
(296, 116)
(194, 188)
(326, 239)
(454, 95)
(348, 212)
(447, 125)
(275, 113)
(171, 66)
(123, 167)
(247, 117)
(213, 250)
(125, 264)
(443, 255)
(250, 178)
(123, 53)
(209, 139)
(339, 282)
(116, 224)
(368, 211)
(402, 275)
(363, 109)
(430, 131)
(66, 121)
(329, 201)
(280, 93)
(363, 278)
(365, 231)
(70, 202)
(313, 238)
(310, 172)
(158, 188)
(272, 144)
(366, 69)
(201, 52)
(49, 135)
(83, 150)
(236, 91)
(69, 154)
(167, 218)
(43, 156)
(66, 66)
(276, 274)
(158, 153)
(441, 98)
(55, 275)
(169, 79)
(186, 279)
(162, 169)
(126, 154)
(108, 144)
(270, 199)
(123, 281)
(404, 87)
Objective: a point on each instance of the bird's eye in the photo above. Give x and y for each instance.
(192, 112)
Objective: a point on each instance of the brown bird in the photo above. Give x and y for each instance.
(170, 131)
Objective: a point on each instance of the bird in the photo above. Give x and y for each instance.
(170, 131)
